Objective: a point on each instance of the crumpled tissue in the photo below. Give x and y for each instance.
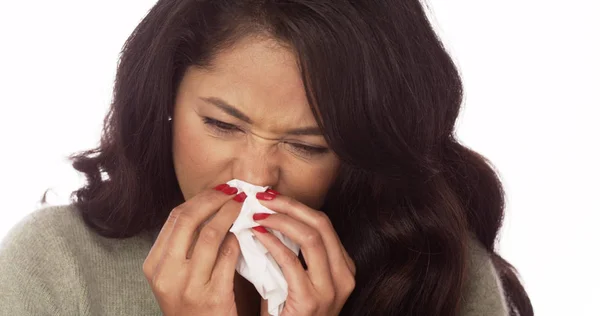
(256, 263)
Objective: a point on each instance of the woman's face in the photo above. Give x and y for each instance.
(248, 118)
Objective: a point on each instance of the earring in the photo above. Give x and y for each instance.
(169, 118)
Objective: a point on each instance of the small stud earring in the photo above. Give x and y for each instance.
(169, 118)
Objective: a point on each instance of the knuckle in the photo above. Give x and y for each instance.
(148, 269)
(290, 202)
(228, 251)
(311, 304)
(161, 287)
(207, 197)
(187, 297)
(323, 222)
(170, 253)
(183, 218)
(175, 214)
(328, 297)
(230, 246)
(209, 234)
(213, 197)
(232, 207)
(214, 300)
(313, 239)
(190, 296)
(348, 285)
(290, 259)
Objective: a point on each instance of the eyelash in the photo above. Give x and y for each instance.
(228, 129)
(221, 127)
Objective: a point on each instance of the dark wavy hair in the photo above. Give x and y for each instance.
(386, 94)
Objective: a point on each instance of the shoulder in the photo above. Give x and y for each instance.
(483, 293)
(49, 257)
(33, 256)
(43, 223)
(61, 228)
(40, 232)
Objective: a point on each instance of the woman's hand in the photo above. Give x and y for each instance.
(326, 285)
(190, 278)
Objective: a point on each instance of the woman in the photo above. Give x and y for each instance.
(346, 109)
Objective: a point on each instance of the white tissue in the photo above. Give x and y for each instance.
(255, 262)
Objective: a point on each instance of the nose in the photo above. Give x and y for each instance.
(257, 162)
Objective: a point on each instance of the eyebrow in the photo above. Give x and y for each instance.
(233, 111)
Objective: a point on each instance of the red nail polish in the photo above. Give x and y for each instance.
(240, 197)
(265, 196)
(230, 190)
(271, 191)
(220, 187)
(259, 216)
(260, 229)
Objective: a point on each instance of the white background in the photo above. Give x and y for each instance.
(531, 72)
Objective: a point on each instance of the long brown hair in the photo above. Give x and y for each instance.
(387, 95)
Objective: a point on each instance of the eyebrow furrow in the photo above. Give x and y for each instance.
(228, 108)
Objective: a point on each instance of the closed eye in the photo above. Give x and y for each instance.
(226, 129)
(308, 151)
(221, 127)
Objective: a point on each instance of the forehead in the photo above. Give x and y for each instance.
(259, 77)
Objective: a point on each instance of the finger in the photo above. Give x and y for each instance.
(338, 256)
(210, 238)
(157, 248)
(224, 271)
(193, 212)
(350, 263)
(311, 244)
(293, 272)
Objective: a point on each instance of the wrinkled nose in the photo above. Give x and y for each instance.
(257, 162)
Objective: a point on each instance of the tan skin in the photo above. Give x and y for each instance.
(265, 134)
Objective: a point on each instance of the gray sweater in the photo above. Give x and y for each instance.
(51, 263)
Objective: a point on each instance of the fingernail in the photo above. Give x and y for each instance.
(240, 197)
(259, 216)
(260, 229)
(265, 196)
(220, 187)
(272, 192)
(229, 190)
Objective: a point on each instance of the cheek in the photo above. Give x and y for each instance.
(310, 184)
(197, 158)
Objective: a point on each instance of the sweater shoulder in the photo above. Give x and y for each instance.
(55, 219)
(38, 232)
(34, 262)
(62, 227)
(51, 260)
